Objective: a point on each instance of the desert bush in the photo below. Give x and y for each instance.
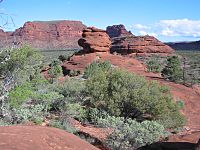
(132, 135)
(95, 67)
(121, 93)
(55, 70)
(180, 104)
(73, 90)
(173, 70)
(73, 73)
(63, 124)
(153, 65)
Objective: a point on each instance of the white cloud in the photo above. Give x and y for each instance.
(180, 27)
(173, 28)
(139, 27)
(147, 33)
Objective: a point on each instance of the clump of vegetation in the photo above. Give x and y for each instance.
(73, 73)
(153, 65)
(173, 70)
(124, 94)
(55, 70)
(95, 67)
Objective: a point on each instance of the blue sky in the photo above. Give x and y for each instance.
(168, 20)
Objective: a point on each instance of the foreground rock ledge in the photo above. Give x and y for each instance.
(40, 138)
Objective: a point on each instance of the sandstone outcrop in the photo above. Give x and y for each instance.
(125, 42)
(62, 34)
(40, 138)
(117, 31)
(95, 40)
(139, 44)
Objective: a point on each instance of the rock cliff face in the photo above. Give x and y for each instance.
(45, 35)
(139, 44)
(95, 40)
(126, 43)
(117, 31)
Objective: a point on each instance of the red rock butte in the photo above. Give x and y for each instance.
(61, 34)
(125, 42)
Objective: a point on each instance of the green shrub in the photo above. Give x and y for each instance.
(124, 94)
(153, 65)
(20, 94)
(132, 135)
(73, 73)
(180, 104)
(73, 90)
(173, 70)
(55, 70)
(33, 113)
(63, 124)
(95, 67)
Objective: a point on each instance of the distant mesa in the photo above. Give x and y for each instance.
(193, 45)
(59, 34)
(95, 40)
(125, 42)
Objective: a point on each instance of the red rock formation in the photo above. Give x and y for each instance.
(40, 138)
(95, 40)
(125, 42)
(117, 31)
(139, 44)
(46, 34)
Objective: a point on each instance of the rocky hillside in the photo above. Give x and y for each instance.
(125, 42)
(185, 45)
(44, 35)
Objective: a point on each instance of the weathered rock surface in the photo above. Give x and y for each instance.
(125, 42)
(62, 34)
(40, 138)
(95, 40)
(139, 44)
(117, 31)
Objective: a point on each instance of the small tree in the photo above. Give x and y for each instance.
(173, 70)
(56, 69)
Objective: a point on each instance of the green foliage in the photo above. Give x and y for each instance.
(76, 111)
(30, 113)
(72, 89)
(56, 69)
(180, 104)
(153, 65)
(63, 124)
(173, 70)
(124, 94)
(73, 73)
(95, 67)
(134, 135)
(21, 65)
(37, 91)
(20, 94)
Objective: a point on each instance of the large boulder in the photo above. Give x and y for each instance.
(94, 40)
(40, 138)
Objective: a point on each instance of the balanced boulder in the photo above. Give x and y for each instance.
(95, 40)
